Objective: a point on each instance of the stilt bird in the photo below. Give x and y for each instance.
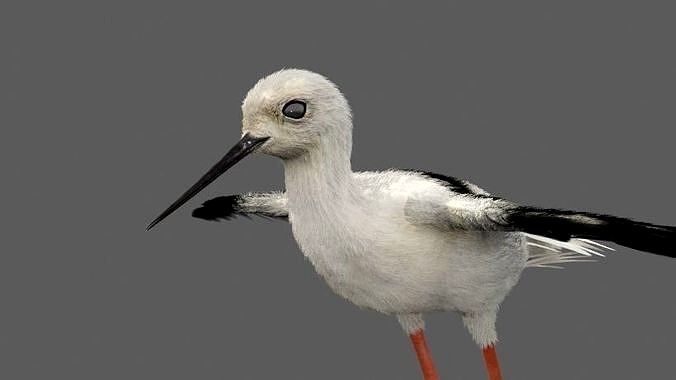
(401, 242)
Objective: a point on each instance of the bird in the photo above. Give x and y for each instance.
(402, 242)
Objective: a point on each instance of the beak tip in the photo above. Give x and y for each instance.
(152, 224)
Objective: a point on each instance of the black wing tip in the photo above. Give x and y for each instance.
(565, 224)
(219, 208)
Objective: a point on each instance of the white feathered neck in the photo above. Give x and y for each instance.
(322, 178)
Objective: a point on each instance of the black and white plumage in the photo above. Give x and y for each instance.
(269, 205)
(552, 226)
(402, 242)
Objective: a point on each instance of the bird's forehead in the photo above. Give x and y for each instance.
(284, 85)
(281, 87)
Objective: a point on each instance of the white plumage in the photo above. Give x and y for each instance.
(401, 242)
(385, 251)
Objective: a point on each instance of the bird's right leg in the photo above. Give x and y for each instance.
(414, 326)
(482, 327)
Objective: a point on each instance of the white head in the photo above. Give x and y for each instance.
(298, 110)
(289, 114)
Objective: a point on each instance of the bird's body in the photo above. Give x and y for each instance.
(400, 242)
(374, 247)
(379, 241)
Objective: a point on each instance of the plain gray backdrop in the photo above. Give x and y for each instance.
(110, 111)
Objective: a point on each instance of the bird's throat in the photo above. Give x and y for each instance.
(321, 178)
(314, 180)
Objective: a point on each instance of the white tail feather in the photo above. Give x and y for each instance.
(544, 252)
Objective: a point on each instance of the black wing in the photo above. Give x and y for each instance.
(564, 225)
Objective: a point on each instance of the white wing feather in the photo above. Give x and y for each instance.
(544, 252)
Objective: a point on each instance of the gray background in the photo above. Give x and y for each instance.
(109, 112)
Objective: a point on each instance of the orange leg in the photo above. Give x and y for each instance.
(492, 366)
(424, 356)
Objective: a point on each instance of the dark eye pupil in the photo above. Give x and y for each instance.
(294, 109)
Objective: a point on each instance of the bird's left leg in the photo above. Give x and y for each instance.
(482, 327)
(414, 326)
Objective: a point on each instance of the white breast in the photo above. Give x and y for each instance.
(371, 255)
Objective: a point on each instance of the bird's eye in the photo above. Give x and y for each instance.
(294, 109)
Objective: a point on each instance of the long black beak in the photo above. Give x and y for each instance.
(245, 146)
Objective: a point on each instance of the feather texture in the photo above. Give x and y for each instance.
(271, 205)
